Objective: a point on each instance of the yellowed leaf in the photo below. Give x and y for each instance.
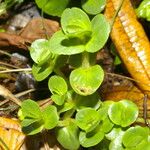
(11, 136)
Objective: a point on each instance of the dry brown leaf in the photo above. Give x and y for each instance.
(131, 41)
(10, 134)
(36, 29)
(12, 41)
(39, 28)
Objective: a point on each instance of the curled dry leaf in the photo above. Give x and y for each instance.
(11, 136)
(12, 40)
(39, 28)
(131, 41)
(36, 29)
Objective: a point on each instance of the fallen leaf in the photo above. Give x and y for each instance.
(12, 41)
(39, 28)
(130, 40)
(11, 137)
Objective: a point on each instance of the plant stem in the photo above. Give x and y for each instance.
(65, 122)
(68, 114)
(85, 60)
(60, 73)
(141, 120)
(5, 53)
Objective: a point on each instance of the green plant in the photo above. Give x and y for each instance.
(77, 115)
(56, 8)
(143, 11)
(7, 4)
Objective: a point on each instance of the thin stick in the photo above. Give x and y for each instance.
(17, 95)
(124, 77)
(145, 110)
(7, 94)
(6, 53)
(4, 102)
(16, 70)
(121, 76)
(8, 65)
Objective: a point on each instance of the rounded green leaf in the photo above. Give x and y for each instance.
(76, 64)
(62, 45)
(123, 113)
(66, 107)
(100, 33)
(32, 126)
(20, 115)
(103, 110)
(30, 109)
(52, 7)
(58, 99)
(87, 101)
(75, 21)
(68, 136)
(39, 51)
(69, 103)
(114, 133)
(57, 85)
(85, 81)
(91, 139)
(50, 117)
(106, 124)
(115, 136)
(134, 137)
(143, 11)
(93, 6)
(87, 119)
(40, 72)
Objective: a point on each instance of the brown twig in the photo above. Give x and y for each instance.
(17, 95)
(145, 110)
(8, 65)
(16, 70)
(7, 94)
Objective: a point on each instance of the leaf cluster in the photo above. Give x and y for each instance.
(77, 115)
(91, 126)
(79, 37)
(56, 8)
(34, 120)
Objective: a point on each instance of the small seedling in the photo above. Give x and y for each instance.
(77, 115)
